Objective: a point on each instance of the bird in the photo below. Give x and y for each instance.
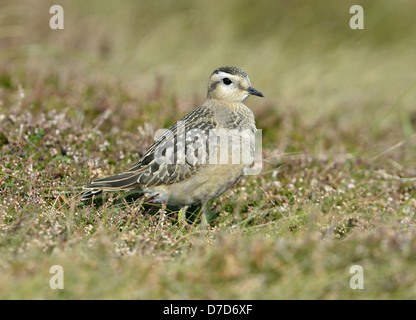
(186, 166)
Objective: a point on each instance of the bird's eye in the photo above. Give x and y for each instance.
(226, 81)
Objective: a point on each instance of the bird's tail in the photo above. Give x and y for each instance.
(123, 181)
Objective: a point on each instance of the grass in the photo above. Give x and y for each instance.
(338, 183)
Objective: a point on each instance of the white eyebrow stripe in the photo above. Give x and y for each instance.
(221, 75)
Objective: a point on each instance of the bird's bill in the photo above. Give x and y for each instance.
(255, 92)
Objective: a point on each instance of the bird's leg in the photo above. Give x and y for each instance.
(203, 215)
(182, 214)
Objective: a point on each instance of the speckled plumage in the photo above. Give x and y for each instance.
(185, 183)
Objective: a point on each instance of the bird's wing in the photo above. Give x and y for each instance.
(171, 159)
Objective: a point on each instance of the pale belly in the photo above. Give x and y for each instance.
(209, 182)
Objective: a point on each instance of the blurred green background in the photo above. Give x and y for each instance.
(302, 54)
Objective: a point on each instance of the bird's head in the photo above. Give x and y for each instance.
(230, 84)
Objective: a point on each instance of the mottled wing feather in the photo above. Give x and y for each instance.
(150, 172)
